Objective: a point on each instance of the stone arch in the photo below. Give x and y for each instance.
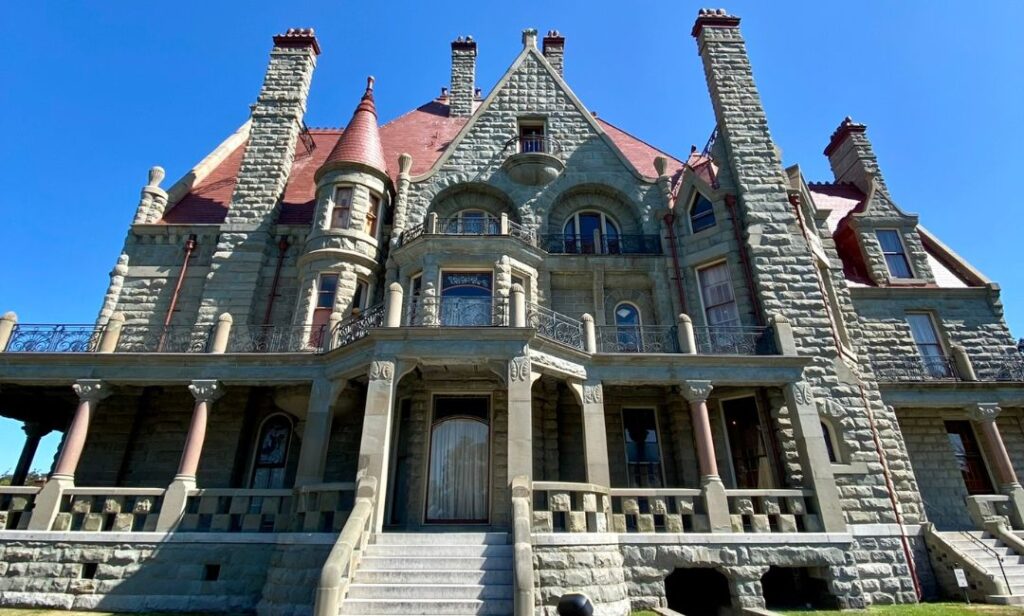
(599, 198)
(473, 195)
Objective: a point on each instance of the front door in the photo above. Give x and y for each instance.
(458, 474)
(751, 463)
(968, 457)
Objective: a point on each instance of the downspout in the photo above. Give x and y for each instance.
(190, 245)
(282, 247)
(891, 489)
(670, 219)
(730, 203)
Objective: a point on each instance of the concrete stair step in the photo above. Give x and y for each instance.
(436, 563)
(422, 576)
(432, 607)
(415, 551)
(416, 592)
(440, 539)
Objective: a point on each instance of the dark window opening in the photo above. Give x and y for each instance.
(211, 573)
(89, 571)
(790, 588)
(702, 214)
(698, 592)
(968, 457)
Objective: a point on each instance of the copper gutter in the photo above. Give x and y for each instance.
(282, 247)
(730, 202)
(190, 245)
(669, 221)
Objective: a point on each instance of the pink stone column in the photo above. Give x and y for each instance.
(696, 393)
(984, 415)
(205, 392)
(90, 392)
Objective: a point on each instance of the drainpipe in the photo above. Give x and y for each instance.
(730, 202)
(670, 219)
(190, 245)
(282, 247)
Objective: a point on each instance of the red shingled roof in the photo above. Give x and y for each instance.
(360, 143)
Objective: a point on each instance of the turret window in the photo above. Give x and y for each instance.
(341, 213)
(702, 214)
(371, 216)
(895, 254)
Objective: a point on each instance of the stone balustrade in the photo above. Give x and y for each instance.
(108, 509)
(570, 507)
(313, 509)
(658, 510)
(773, 511)
(16, 504)
(985, 509)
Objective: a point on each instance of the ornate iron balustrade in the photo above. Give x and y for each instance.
(411, 233)
(1003, 369)
(521, 233)
(277, 339)
(159, 339)
(903, 369)
(735, 341)
(637, 339)
(486, 225)
(555, 326)
(534, 144)
(355, 327)
(562, 244)
(54, 338)
(429, 311)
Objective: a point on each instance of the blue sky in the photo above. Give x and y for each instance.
(94, 94)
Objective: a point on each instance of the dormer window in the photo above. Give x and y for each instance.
(702, 214)
(531, 136)
(341, 212)
(895, 254)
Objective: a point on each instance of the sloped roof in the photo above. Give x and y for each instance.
(360, 143)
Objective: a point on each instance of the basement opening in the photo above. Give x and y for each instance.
(797, 588)
(698, 592)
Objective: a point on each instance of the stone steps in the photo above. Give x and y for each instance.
(433, 574)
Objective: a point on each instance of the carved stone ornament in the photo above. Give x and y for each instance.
(519, 368)
(983, 411)
(382, 370)
(91, 390)
(696, 391)
(802, 393)
(593, 394)
(830, 408)
(557, 364)
(206, 391)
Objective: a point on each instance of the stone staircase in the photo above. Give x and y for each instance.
(433, 574)
(987, 557)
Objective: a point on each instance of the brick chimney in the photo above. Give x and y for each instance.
(554, 50)
(852, 158)
(463, 86)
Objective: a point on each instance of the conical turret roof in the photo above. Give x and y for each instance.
(360, 141)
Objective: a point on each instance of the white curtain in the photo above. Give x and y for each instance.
(458, 471)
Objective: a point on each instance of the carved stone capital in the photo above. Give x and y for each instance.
(382, 370)
(802, 393)
(35, 430)
(983, 411)
(206, 390)
(91, 390)
(696, 391)
(519, 369)
(593, 393)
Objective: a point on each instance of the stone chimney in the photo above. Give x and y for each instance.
(554, 51)
(852, 158)
(460, 97)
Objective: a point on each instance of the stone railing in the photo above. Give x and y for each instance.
(343, 560)
(315, 509)
(734, 340)
(570, 507)
(915, 368)
(990, 508)
(108, 509)
(555, 326)
(773, 511)
(16, 504)
(637, 339)
(658, 511)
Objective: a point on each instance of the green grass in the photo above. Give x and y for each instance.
(921, 609)
(35, 612)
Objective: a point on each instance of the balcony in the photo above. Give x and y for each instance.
(735, 341)
(638, 339)
(562, 244)
(915, 369)
(1008, 369)
(431, 311)
(532, 160)
(489, 226)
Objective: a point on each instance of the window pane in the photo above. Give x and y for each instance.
(341, 214)
(325, 294)
(626, 314)
(922, 329)
(643, 451)
(898, 266)
(702, 215)
(719, 302)
(895, 258)
(890, 241)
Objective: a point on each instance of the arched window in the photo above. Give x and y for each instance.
(830, 444)
(702, 213)
(627, 328)
(271, 459)
(471, 222)
(591, 232)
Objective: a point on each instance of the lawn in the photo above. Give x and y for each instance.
(923, 609)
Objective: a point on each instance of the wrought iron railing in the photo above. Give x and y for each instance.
(1002, 369)
(54, 338)
(411, 233)
(735, 341)
(563, 244)
(355, 327)
(159, 339)
(915, 368)
(276, 338)
(521, 233)
(461, 225)
(534, 144)
(429, 311)
(555, 326)
(637, 339)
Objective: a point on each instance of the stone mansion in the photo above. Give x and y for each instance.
(497, 350)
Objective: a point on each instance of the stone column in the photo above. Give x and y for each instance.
(520, 417)
(316, 435)
(33, 432)
(716, 502)
(205, 393)
(375, 441)
(984, 417)
(814, 462)
(745, 587)
(595, 439)
(47, 503)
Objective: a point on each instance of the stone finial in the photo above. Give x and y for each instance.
(530, 37)
(298, 38)
(713, 18)
(404, 163)
(369, 84)
(156, 175)
(661, 165)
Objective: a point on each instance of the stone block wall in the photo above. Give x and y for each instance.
(938, 474)
(596, 570)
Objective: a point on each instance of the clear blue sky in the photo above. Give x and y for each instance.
(95, 93)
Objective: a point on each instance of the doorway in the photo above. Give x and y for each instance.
(968, 456)
(751, 463)
(459, 464)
